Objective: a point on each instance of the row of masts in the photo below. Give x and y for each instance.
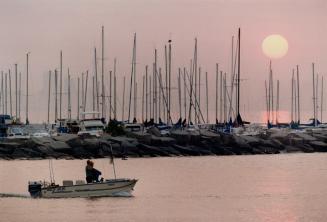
(273, 113)
(156, 90)
(11, 106)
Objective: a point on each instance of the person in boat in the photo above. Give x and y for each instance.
(92, 174)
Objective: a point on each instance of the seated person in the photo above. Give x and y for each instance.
(92, 174)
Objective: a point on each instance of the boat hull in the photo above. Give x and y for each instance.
(108, 188)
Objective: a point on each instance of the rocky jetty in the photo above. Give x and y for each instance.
(179, 143)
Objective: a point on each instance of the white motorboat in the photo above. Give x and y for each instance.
(107, 188)
(104, 188)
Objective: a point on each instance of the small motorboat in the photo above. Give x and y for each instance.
(117, 187)
(106, 188)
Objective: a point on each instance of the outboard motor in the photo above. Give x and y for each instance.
(34, 188)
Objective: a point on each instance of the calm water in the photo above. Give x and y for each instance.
(234, 188)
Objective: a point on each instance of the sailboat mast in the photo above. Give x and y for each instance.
(27, 55)
(179, 93)
(78, 98)
(292, 96)
(56, 95)
(169, 79)
(314, 94)
(238, 72)
(115, 98)
(85, 96)
(216, 119)
(143, 88)
(93, 94)
(110, 95)
(16, 93)
(185, 99)
(96, 80)
(123, 105)
(298, 94)
(10, 98)
(69, 97)
(49, 96)
(207, 95)
(277, 102)
(6, 96)
(60, 93)
(102, 73)
(322, 97)
(199, 95)
(146, 92)
(20, 93)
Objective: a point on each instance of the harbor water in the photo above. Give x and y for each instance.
(285, 187)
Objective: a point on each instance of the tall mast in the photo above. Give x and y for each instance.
(2, 94)
(199, 88)
(169, 80)
(115, 98)
(277, 102)
(292, 109)
(60, 93)
(115, 92)
(83, 93)
(102, 75)
(123, 105)
(6, 96)
(49, 93)
(96, 80)
(179, 93)
(155, 88)
(110, 95)
(131, 82)
(16, 93)
(314, 94)
(225, 99)
(159, 97)
(135, 84)
(166, 81)
(10, 98)
(238, 72)
(69, 98)
(185, 100)
(56, 95)
(207, 95)
(143, 88)
(298, 94)
(78, 98)
(322, 97)
(216, 119)
(85, 96)
(150, 98)
(27, 121)
(267, 106)
(221, 98)
(20, 93)
(93, 94)
(195, 63)
(146, 92)
(191, 92)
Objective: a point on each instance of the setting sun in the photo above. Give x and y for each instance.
(275, 46)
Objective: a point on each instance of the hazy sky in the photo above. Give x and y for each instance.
(45, 27)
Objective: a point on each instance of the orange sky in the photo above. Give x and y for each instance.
(46, 27)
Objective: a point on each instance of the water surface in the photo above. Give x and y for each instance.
(290, 187)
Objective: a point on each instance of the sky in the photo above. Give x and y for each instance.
(44, 27)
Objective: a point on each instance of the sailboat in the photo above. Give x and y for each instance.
(117, 187)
